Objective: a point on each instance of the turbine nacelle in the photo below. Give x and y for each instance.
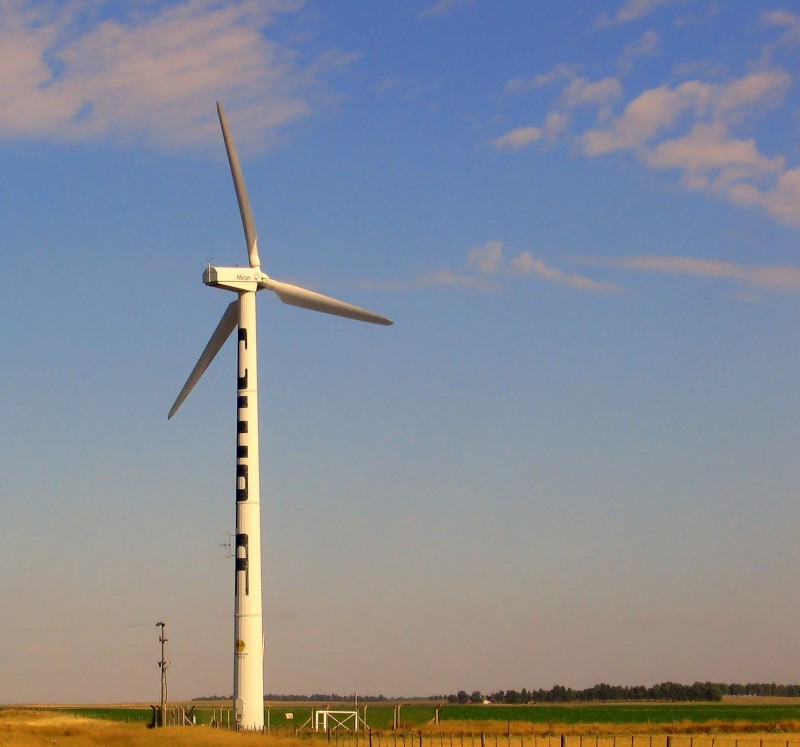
(251, 279)
(235, 279)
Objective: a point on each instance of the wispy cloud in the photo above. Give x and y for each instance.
(634, 10)
(527, 264)
(787, 20)
(691, 128)
(487, 266)
(66, 74)
(577, 92)
(647, 45)
(781, 279)
(521, 137)
(707, 155)
(440, 7)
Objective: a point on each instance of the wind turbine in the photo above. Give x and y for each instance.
(248, 657)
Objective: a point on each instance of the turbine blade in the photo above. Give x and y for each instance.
(306, 299)
(241, 191)
(223, 331)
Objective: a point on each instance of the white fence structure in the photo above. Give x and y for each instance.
(334, 721)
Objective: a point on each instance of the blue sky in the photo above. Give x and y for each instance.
(571, 460)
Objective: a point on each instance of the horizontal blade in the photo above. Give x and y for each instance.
(248, 223)
(223, 331)
(306, 299)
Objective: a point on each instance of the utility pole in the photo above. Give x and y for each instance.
(164, 664)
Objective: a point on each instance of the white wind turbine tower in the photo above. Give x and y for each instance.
(248, 667)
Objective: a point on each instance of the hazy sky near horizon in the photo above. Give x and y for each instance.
(573, 457)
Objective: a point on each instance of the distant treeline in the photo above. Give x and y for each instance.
(602, 693)
(321, 698)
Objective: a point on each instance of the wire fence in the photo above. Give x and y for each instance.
(374, 738)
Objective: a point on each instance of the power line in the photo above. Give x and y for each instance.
(77, 628)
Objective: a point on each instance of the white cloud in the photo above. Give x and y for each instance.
(522, 137)
(784, 278)
(526, 85)
(518, 138)
(579, 91)
(598, 92)
(645, 116)
(151, 75)
(647, 45)
(633, 10)
(709, 147)
(489, 260)
(441, 7)
(790, 21)
(703, 129)
(782, 200)
(527, 264)
(456, 280)
(762, 89)
(705, 151)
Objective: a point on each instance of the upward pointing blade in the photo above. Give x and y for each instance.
(306, 299)
(241, 191)
(223, 331)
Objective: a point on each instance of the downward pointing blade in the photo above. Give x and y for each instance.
(306, 299)
(241, 191)
(223, 331)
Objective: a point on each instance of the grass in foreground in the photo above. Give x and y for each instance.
(21, 728)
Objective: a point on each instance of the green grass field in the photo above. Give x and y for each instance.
(414, 715)
(625, 713)
(34, 728)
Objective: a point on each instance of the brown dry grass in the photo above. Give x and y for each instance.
(20, 728)
(587, 729)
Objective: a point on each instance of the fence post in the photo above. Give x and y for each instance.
(564, 741)
(483, 740)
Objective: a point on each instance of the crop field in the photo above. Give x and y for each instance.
(635, 717)
(628, 713)
(25, 728)
(645, 716)
(636, 724)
